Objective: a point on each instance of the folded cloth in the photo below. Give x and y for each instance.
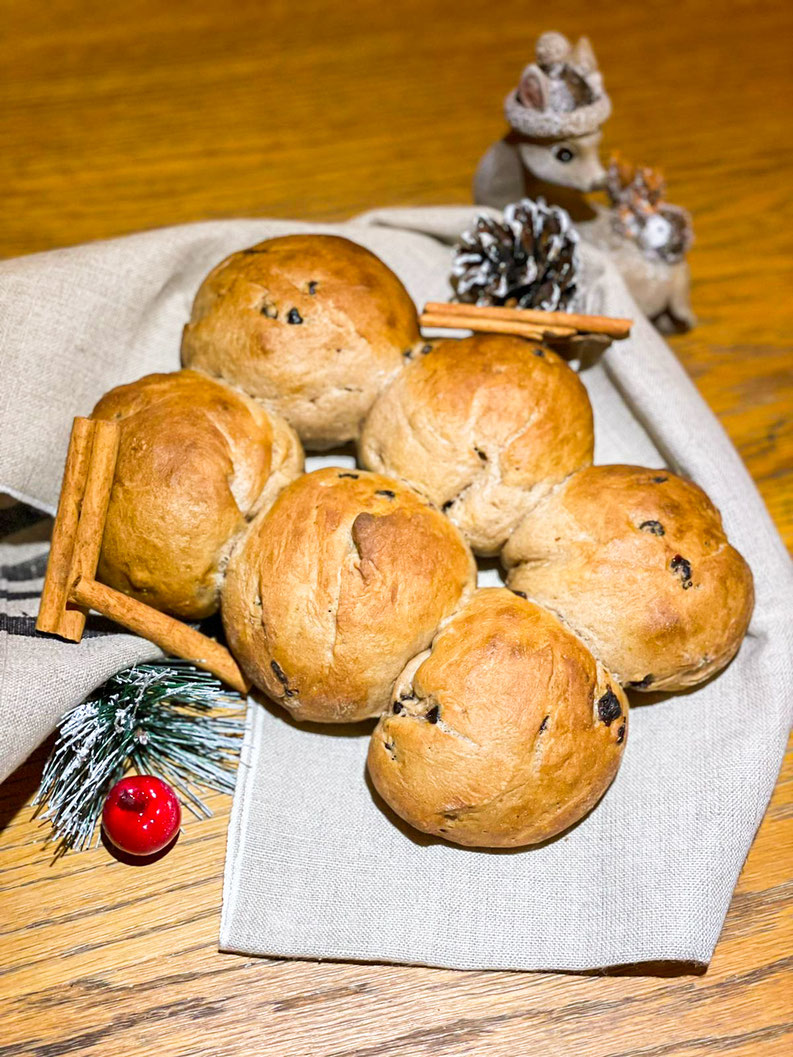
(41, 676)
(315, 868)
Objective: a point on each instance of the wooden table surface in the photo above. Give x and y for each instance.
(121, 117)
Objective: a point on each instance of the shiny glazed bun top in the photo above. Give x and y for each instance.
(312, 325)
(636, 561)
(196, 461)
(336, 587)
(505, 732)
(483, 427)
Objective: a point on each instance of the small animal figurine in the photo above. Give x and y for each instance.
(648, 239)
(552, 151)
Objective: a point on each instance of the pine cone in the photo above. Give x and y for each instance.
(529, 259)
(639, 212)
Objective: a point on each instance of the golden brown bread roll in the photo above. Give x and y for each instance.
(336, 587)
(196, 461)
(312, 325)
(637, 563)
(482, 427)
(504, 733)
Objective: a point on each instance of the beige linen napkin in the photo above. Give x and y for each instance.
(315, 868)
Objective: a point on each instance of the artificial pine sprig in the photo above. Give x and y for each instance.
(167, 718)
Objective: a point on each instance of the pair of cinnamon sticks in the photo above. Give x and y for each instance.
(79, 524)
(522, 322)
(70, 589)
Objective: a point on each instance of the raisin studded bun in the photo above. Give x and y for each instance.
(312, 325)
(637, 563)
(196, 461)
(336, 587)
(504, 733)
(482, 427)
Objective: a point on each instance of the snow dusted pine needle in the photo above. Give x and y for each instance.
(168, 719)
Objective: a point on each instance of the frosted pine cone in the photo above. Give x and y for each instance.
(528, 259)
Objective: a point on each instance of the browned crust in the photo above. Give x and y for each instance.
(196, 461)
(322, 373)
(637, 562)
(482, 427)
(504, 733)
(346, 577)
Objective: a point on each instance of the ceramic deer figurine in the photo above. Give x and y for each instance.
(552, 152)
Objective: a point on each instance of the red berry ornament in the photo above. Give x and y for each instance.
(141, 815)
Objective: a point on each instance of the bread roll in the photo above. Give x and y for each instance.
(637, 563)
(196, 461)
(336, 587)
(313, 325)
(504, 733)
(482, 427)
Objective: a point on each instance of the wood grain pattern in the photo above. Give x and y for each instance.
(151, 114)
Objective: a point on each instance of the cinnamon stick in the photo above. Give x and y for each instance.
(484, 326)
(613, 327)
(175, 638)
(91, 526)
(57, 579)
